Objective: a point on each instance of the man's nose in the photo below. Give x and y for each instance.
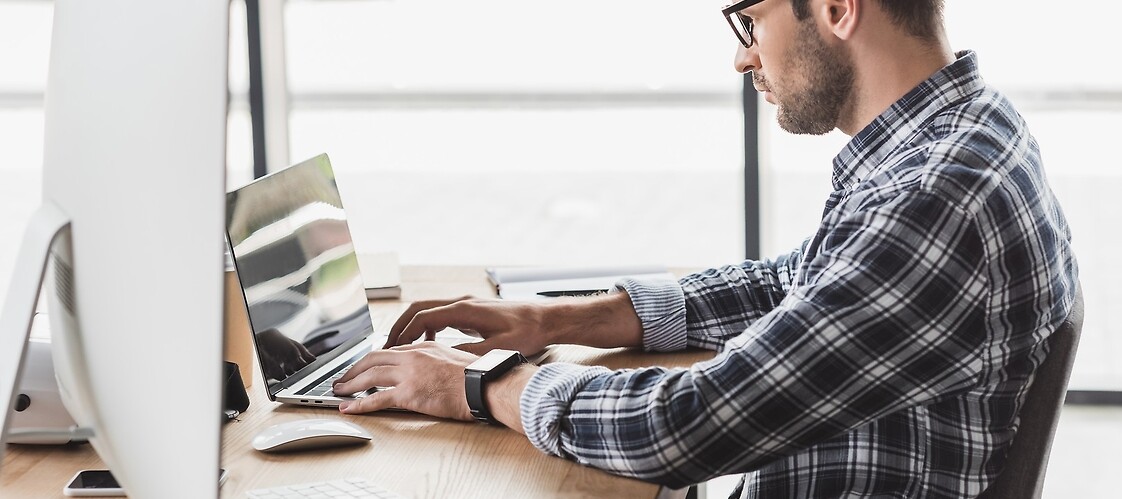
(747, 59)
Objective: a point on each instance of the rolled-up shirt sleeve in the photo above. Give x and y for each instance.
(705, 309)
(661, 308)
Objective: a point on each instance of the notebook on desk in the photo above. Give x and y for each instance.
(538, 283)
(300, 277)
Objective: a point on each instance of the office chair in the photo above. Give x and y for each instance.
(1023, 476)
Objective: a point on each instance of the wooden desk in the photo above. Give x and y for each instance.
(411, 454)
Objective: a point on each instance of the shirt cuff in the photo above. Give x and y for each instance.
(546, 400)
(661, 307)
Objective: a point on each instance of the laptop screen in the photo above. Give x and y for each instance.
(298, 270)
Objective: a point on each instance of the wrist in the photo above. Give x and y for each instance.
(503, 396)
(484, 372)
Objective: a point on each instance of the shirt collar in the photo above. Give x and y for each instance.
(873, 144)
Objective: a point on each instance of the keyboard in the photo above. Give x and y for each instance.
(343, 487)
(324, 388)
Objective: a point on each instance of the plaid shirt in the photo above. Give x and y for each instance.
(887, 357)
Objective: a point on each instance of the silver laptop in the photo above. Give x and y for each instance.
(300, 278)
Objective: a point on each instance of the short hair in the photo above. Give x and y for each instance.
(922, 19)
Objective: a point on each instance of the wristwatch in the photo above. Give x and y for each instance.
(484, 370)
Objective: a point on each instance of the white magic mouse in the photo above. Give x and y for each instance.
(310, 434)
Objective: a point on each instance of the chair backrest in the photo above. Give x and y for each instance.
(1023, 476)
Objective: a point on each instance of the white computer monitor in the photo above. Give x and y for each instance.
(131, 219)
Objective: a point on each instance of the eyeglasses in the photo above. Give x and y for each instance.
(741, 24)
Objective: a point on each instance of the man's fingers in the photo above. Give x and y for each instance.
(478, 348)
(371, 377)
(459, 315)
(427, 322)
(403, 320)
(429, 379)
(410, 312)
(381, 399)
(374, 358)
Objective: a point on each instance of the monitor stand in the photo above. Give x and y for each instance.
(43, 229)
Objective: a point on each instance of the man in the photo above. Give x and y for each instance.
(888, 356)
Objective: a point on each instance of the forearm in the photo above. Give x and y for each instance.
(753, 288)
(607, 321)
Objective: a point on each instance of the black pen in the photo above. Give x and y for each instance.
(572, 292)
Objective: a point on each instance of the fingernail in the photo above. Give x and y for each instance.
(344, 405)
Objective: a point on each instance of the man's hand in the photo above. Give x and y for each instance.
(607, 321)
(427, 378)
(502, 324)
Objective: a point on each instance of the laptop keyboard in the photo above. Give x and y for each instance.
(323, 388)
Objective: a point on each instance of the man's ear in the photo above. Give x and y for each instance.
(841, 16)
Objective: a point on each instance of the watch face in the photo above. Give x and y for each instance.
(491, 360)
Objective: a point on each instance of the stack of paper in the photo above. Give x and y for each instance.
(381, 275)
(537, 283)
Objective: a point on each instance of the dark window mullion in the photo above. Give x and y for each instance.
(256, 86)
(751, 170)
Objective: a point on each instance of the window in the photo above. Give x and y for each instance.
(23, 77)
(494, 131)
(505, 131)
(501, 131)
(26, 24)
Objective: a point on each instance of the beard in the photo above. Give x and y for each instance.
(814, 107)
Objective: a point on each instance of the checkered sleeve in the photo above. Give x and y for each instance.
(705, 309)
(893, 317)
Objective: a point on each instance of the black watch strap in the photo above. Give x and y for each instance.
(488, 368)
(473, 385)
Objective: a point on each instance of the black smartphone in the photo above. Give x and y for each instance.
(100, 483)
